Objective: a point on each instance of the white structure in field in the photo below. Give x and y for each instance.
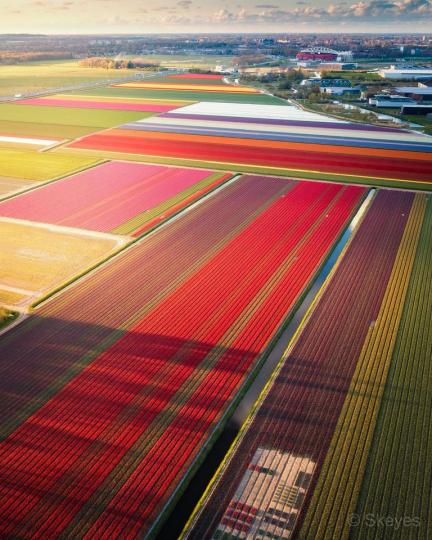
(243, 110)
(269, 497)
(27, 140)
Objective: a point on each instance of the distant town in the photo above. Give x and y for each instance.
(381, 79)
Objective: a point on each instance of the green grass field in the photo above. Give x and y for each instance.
(6, 317)
(228, 97)
(38, 76)
(37, 166)
(60, 122)
(39, 130)
(43, 114)
(423, 120)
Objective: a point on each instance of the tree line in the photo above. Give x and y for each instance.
(112, 63)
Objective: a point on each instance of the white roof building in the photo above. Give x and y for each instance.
(406, 72)
(391, 101)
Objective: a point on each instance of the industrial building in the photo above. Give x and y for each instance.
(324, 54)
(419, 94)
(421, 110)
(390, 101)
(413, 73)
(269, 497)
(338, 87)
(336, 66)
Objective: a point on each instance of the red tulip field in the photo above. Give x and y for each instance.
(84, 457)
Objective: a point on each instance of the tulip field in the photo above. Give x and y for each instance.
(293, 157)
(333, 403)
(183, 258)
(187, 347)
(186, 87)
(272, 139)
(76, 102)
(115, 197)
(36, 167)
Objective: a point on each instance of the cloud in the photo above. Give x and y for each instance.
(361, 11)
(223, 16)
(363, 14)
(411, 9)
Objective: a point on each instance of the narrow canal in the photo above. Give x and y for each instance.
(193, 492)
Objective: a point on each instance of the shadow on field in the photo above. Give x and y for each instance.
(42, 354)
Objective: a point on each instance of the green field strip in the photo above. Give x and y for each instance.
(37, 166)
(34, 129)
(256, 169)
(112, 99)
(335, 495)
(227, 97)
(398, 474)
(43, 114)
(148, 215)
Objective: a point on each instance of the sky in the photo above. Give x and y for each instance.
(167, 16)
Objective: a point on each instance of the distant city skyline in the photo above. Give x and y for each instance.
(168, 16)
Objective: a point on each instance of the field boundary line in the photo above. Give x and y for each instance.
(73, 231)
(18, 290)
